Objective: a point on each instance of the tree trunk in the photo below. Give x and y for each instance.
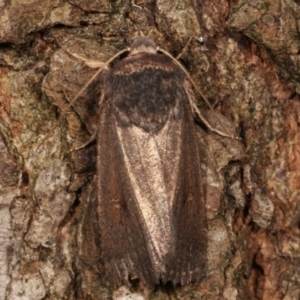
(246, 64)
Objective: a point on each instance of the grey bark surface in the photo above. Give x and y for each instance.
(247, 67)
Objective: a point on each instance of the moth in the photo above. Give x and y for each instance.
(150, 206)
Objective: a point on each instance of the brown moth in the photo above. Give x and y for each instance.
(150, 204)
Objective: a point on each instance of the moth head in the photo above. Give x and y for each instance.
(143, 44)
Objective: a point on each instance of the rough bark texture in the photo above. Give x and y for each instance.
(248, 68)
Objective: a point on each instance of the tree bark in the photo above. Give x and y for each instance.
(247, 66)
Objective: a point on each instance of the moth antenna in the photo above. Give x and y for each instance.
(186, 73)
(135, 5)
(193, 105)
(81, 90)
(95, 75)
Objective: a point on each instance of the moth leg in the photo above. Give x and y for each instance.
(184, 48)
(93, 64)
(199, 115)
(197, 112)
(91, 140)
(201, 40)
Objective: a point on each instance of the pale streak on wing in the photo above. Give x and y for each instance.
(152, 162)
